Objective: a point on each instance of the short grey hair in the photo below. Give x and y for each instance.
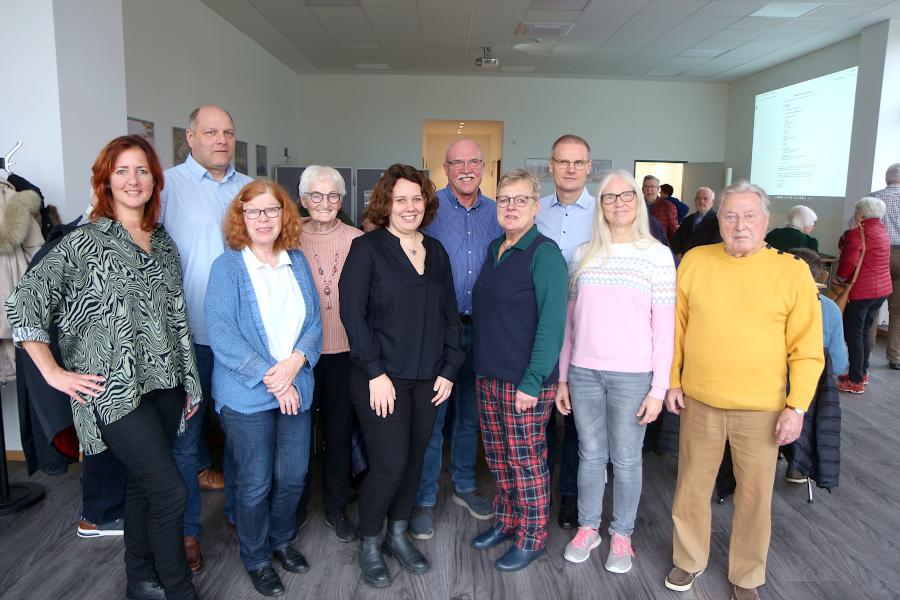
(653, 177)
(745, 187)
(893, 174)
(711, 191)
(313, 173)
(800, 217)
(516, 175)
(870, 208)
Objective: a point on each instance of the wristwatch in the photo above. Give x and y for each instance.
(798, 411)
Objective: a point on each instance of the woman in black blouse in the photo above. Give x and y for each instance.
(398, 306)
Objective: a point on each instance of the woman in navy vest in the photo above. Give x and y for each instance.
(519, 317)
(398, 306)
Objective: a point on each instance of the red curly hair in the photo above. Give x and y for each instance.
(381, 201)
(236, 235)
(103, 169)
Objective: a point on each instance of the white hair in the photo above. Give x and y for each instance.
(745, 187)
(893, 174)
(800, 217)
(313, 173)
(870, 208)
(601, 237)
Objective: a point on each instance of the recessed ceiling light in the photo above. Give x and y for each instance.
(371, 66)
(787, 10)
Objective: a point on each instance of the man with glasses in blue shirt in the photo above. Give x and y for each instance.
(194, 200)
(567, 217)
(466, 224)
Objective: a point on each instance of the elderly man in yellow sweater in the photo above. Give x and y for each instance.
(756, 310)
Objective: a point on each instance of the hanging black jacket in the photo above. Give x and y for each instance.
(817, 452)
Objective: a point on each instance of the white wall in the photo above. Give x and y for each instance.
(741, 107)
(180, 54)
(375, 120)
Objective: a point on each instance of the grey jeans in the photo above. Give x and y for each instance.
(605, 404)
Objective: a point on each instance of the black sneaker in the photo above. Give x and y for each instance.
(342, 525)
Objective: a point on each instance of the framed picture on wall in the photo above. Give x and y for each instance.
(240, 157)
(142, 128)
(262, 164)
(180, 148)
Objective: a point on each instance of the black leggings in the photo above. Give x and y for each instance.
(395, 446)
(155, 496)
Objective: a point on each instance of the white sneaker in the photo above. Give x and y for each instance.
(620, 554)
(579, 549)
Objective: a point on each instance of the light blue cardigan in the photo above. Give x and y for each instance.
(238, 337)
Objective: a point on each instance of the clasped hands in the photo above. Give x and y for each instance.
(279, 382)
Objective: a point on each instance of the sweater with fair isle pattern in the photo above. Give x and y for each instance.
(621, 315)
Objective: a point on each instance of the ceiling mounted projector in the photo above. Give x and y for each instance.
(486, 61)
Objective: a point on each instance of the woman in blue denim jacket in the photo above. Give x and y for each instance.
(265, 330)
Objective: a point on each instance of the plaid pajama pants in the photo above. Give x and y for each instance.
(515, 447)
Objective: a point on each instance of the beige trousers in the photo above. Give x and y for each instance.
(751, 435)
(893, 345)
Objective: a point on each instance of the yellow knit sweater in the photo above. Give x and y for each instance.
(741, 325)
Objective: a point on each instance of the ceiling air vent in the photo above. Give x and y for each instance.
(544, 30)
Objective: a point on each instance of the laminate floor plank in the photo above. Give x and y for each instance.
(843, 546)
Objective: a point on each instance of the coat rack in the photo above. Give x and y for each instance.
(21, 494)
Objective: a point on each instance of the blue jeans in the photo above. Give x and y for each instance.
(605, 405)
(464, 429)
(189, 450)
(271, 454)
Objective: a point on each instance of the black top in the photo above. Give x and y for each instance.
(690, 234)
(399, 322)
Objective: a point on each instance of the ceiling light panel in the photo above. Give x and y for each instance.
(338, 12)
(787, 10)
(730, 9)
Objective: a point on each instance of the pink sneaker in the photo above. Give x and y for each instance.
(620, 554)
(579, 549)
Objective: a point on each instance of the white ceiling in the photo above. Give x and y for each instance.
(646, 39)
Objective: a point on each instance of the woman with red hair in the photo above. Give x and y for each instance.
(265, 330)
(113, 288)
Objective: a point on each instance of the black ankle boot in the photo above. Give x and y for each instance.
(371, 563)
(397, 544)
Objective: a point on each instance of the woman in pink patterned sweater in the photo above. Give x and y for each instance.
(615, 361)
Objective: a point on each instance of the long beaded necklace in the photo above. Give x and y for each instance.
(326, 288)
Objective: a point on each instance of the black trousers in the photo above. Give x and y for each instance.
(568, 467)
(103, 481)
(333, 392)
(858, 318)
(396, 445)
(156, 496)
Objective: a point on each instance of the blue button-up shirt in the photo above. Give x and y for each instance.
(465, 234)
(193, 209)
(568, 225)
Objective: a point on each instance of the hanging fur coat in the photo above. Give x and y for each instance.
(20, 238)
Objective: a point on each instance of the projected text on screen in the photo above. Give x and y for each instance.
(801, 136)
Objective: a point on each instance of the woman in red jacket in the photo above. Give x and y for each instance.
(872, 286)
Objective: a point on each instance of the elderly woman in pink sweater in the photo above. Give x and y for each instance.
(615, 361)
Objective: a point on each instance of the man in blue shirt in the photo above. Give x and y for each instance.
(466, 224)
(194, 200)
(567, 217)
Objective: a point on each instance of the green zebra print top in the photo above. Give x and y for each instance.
(120, 313)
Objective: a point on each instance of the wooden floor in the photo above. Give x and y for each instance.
(844, 546)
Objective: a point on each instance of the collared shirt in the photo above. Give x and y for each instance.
(120, 314)
(465, 234)
(280, 301)
(193, 209)
(891, 197)
(569, 225)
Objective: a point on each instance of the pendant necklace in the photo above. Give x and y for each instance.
(326, 288)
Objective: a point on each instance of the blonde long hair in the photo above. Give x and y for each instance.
(601, 238)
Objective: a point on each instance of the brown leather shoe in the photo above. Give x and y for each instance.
(210, 479)
(193, 554)
(739, 593)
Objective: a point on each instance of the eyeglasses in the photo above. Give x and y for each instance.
(565, 164)
(627, 197)
(253, 213)
(519, 201)
(459, 164)
(317, 197)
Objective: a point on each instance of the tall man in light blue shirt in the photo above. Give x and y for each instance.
(466, 224)
(567, 217)
(194, 200)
